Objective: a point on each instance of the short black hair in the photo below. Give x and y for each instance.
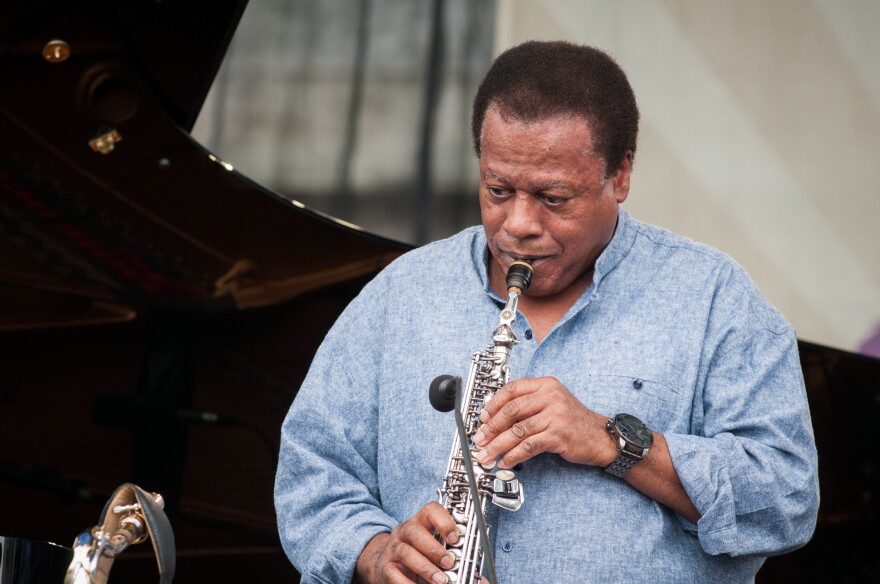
(541, 79)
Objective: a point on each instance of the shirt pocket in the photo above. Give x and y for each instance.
(654, 402)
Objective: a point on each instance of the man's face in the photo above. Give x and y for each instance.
(543, 197)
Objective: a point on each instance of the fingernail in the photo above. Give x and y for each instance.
(452, 536)
(484, 416)
(447, 562)
(479, 437)
(439, 578)
(481, 456)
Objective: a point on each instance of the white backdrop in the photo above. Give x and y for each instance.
(760, 135)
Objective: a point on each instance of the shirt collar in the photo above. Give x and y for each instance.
(480, 257)
(620, 244)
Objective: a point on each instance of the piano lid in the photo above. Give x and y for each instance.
(175, 48)
(107, 205)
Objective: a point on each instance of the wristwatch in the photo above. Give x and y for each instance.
(634, 439)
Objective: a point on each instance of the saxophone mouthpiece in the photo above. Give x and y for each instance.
(519, 276)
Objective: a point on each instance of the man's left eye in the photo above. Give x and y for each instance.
(554, 201)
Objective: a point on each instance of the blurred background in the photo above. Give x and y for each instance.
(760, 130)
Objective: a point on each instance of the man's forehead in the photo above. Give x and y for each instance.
(491, 174)
(509, 116)
(498, 122)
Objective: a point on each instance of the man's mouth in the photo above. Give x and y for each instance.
(531, 258)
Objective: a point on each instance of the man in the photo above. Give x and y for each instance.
(621, 318)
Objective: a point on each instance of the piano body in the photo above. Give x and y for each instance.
(158, 310)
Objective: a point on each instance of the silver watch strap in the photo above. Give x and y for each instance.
(620, 466)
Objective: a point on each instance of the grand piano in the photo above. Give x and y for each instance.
(158, 310)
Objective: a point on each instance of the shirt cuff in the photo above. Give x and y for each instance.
(338, 561)
(706, 480)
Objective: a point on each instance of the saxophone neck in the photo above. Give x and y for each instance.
(519, 277)
(503, 333)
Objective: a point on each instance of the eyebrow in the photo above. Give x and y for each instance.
(534, 188)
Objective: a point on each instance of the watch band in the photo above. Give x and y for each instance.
(620, 466)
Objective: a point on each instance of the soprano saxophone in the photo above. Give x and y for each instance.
(488, 373)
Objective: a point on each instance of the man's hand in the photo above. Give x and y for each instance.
(529, 416)
(410, 553)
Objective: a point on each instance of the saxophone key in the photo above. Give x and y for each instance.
(462, 533)
(456, 553)
(507, 492)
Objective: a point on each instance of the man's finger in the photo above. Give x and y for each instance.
(437, 519)
(510, 391)
(513, 412)
(424, 566)
(528, 448)
(510, 442)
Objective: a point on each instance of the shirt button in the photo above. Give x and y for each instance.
(637, 383)
(528, 334)
(507, 546)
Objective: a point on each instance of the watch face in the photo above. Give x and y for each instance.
(633, 430)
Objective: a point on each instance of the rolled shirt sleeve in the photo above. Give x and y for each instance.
(326, 486)
(749, 464)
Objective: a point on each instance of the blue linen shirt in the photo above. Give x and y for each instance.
(670, 330)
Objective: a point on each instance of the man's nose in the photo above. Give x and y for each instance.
(522, 217)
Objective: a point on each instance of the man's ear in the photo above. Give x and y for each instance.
(621, 177)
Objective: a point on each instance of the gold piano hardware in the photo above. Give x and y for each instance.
(56, 51)
(106, 141)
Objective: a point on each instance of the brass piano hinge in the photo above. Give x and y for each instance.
(105, 141)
